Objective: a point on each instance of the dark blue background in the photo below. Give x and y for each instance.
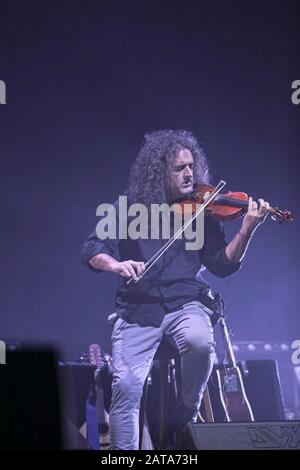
(85, 81)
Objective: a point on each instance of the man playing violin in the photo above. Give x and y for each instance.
(169, 301)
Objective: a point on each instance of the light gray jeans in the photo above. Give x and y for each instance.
(190, 331)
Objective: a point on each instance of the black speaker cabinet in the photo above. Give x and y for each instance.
(263, 389)
(29, 401)
(264, 392)
(240, 436)
(76, 382)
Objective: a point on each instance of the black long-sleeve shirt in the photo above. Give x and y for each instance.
(171, 282)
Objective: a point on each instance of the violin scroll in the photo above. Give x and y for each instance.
(280, 216)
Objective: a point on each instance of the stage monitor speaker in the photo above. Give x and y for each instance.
(240, 436)
(29, 401)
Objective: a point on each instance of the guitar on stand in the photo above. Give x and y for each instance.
(97, 415)
(230, 382)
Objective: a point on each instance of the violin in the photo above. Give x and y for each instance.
(229, 206)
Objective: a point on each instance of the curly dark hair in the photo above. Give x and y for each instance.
(147, 180)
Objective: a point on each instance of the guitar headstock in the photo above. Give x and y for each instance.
(96, 355)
